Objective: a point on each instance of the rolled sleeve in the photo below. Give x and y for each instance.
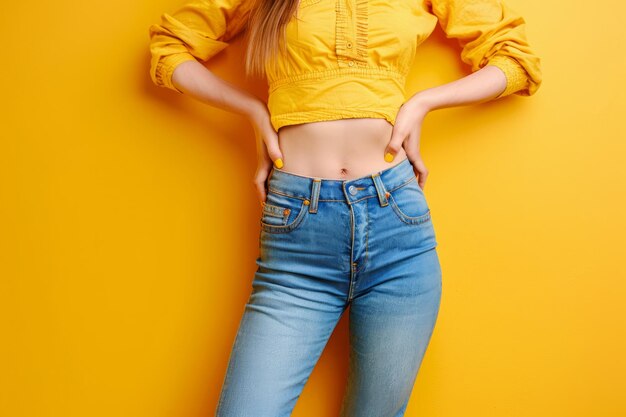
(491, 33)
(198, 30)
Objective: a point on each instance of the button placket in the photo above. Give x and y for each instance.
(351, 32)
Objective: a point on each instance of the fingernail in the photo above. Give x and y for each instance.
(388, 157)
(278, 163)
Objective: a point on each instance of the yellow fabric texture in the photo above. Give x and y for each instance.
(349, 58)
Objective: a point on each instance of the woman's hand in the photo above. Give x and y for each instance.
(406, 133)
(268, 151)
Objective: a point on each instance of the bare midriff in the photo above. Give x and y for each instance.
(341, 149)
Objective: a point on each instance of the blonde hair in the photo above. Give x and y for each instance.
(265, 33)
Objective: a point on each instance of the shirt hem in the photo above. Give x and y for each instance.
(325, 115)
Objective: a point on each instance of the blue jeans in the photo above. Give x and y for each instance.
(326, 244)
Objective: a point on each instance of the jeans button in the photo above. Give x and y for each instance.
(352, 190)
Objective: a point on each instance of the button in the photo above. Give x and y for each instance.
(352, 190)
(351, 63)
(349, 45)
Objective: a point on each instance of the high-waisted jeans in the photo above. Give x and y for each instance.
(324, 245)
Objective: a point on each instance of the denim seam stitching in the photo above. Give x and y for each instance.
(274, 190)
(367, 227)
(271, 228)
(417, 220)
(273, 210)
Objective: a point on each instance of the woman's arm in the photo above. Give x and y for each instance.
(195, 80)
(483, 85)
(493, 42)
(490, 33)
(486, 84)
(194, 33)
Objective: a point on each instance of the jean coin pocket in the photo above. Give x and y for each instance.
(283, 213)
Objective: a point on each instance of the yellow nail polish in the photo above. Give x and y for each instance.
(388, 157)
(278, 163)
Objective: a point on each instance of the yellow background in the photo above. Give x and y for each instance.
(129, 225)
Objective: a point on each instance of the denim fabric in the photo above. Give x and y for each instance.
(326, 245)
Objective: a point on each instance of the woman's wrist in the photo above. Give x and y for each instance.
(420, 103)
(257, 112)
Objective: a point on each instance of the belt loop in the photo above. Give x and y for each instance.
(315, 194)
(380, 190)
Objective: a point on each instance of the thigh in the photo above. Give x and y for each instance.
(281, 336)
(390, 327)
(298, 297)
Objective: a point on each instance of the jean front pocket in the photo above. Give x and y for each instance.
(283, 213)
(409, 203)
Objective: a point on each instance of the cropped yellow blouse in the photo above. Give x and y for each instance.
(349, 58)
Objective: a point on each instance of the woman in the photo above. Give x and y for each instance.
(345, 221)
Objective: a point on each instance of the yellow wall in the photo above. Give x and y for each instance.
(128, 225)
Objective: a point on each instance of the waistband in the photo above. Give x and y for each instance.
(367, 73)
(377, 184)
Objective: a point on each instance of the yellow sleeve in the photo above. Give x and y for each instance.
(198, 29)
(491, 33)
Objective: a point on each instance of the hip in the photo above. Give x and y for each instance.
(378, 221)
